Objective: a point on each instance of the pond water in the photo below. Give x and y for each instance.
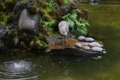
(104, 22)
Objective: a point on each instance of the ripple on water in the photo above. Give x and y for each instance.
(17, 69)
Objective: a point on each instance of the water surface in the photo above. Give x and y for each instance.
(104, 22)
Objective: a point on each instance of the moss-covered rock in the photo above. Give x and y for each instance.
(28, 23)
(38, 24)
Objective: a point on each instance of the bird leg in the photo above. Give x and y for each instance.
(63, 41)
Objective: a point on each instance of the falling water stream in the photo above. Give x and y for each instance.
(104, 22)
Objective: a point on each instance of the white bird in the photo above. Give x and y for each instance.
(63, 29)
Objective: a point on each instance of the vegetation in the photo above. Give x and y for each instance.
(49, 12)
(81, 26)
(78, 25)
(49, 25)
(67, 1)
(52, 5)
(3, 18)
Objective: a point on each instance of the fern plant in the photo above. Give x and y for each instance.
(78, 25)
(70, 18)
(52, 5)
(81, 26)
(49, 25)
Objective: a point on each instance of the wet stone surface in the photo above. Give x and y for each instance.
(75, 47)
(28, 22)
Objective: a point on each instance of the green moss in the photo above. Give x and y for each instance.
(3, 5)
(43, 43)
(22, 0)
(51, 5)
(16, 40)
(47, 21)
(46, 11)
(8, 0)
(3, 18)
(67, 1)
(50, 23)
(37, 38)
(38, 42)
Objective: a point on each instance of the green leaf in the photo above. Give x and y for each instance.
(80, 24)
(71, 23)
(73, 16)
(52, 4)
(83, 31)
(48, 24)
(84, 21)
(67, 1)
(77, 23)
(66, 16)
(73, 11)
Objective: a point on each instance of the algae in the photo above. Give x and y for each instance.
(50, 14)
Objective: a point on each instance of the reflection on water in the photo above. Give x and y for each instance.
(93, 2)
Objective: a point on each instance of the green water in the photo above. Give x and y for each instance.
(104, 26)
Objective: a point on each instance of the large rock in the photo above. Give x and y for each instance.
(59, 2)
(28, 23)
(82, 13)
(70, 49)
(3, 32)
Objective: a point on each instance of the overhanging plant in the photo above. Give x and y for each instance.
(81, 26)
(70, 18)
(78, 25)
